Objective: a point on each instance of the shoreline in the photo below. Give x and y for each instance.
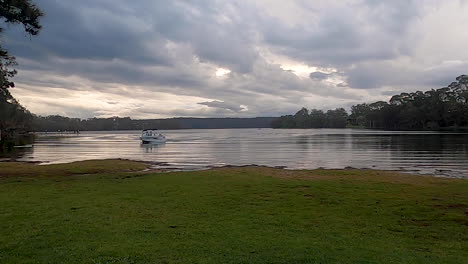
(154, 167)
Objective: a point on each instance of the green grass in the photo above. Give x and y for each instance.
(94, 212)
(33, 171)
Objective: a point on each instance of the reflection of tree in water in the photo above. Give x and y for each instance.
(303, 142)
(436, 143)
(444, 154)
(15, 154)
(427, 142)
(324, 141)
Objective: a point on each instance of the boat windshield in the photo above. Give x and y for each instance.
(150, 133)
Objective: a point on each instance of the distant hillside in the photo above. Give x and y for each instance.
(60, 123)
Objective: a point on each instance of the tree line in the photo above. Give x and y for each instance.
(60, 123)
(437, 109)
(304, 118)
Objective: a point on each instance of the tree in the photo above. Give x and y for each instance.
(359, 115)
(443, 108)
(16, 12)
(315, 119)
(26, 13)
(337, 118)
(302, 118)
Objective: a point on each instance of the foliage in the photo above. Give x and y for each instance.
(60, 123)
(24, 12)
(92, 213)
(21, 12)
(315, 119)
(442, 108)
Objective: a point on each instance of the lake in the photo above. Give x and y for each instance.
(441, 154)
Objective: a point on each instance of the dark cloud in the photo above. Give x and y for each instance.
(73, 30)
(319, 76)
(370, 30)
(138, 33)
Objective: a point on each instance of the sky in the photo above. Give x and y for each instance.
(244, 58)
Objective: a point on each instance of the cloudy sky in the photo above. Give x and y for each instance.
(165, 58)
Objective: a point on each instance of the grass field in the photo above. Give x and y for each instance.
(101, 212)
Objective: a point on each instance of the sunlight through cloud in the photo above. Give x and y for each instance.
(220, 72)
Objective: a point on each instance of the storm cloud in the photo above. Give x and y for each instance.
(149, 59)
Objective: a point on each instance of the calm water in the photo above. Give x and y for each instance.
(443, 154)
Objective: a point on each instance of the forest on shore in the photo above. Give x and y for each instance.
(437, 109)
(61, 123)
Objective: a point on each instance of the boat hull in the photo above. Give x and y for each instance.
(152, 140)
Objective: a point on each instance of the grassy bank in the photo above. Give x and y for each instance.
(98, 212)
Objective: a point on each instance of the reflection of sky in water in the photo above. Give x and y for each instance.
(425, 152)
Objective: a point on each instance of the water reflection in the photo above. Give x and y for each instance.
(150, 148)
(15, 154)
(424, 152)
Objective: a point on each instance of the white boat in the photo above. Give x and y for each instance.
(151, 136)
